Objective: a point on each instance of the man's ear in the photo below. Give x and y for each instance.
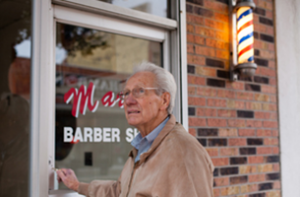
(166, 97)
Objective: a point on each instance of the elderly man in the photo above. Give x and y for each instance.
(165, 160)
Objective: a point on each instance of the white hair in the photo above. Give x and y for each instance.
(165, 81)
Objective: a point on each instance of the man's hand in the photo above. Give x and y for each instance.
(68, 177)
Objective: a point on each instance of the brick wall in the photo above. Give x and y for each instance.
(237, 122)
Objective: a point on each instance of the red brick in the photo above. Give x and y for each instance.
(190, 38)
(246, 132)
(267, 54)
(206, 112)
(203, 31)
(216, 122)
(217, 192)
(190, 28)
(222, 54)
(270, 124)
(263, 132)
(216, 43)
(235, 85)
(264, 150)
(229, 151)
(221, 17)
(276, 167)
(256, 178)
(235, 104)
(206, 71)
(221, 35)
(270, 141)
(196, 80)
(213, 152)
(192, 131)
(262, 97)
(269, 107)
(253, 105)
(191, 90)
(198, 60)
(268, 72)
(222, 181)
(226, 113)
(216, 102)
(190, 48)
(254, 123)
(228, 191)
(199, 40)
(265, 168)
(272, 64)
(214, 5)
(226, 93)
(275, 150)
(255, 159)
(265, 4)
(227, 132)
(193, 121)
(207, 51)
(268, 89)
(276, 185)
(220, 161)
(198, 20)
(236, 123)
(244, 95)
(237, 142)
(196, 101)
(263, 115)
(206, 91)
(269, 14)
(275, 133)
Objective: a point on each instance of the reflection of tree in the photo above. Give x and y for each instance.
(81, 39)
(17, 15)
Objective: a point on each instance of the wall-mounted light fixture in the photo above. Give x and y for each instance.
(241, 38)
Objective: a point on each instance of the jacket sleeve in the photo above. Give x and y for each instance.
(99, 188)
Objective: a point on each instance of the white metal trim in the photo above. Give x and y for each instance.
(105, 23)
(120, 12)
(183, 53)
(41, 103)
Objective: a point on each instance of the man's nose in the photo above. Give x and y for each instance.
(130, 100)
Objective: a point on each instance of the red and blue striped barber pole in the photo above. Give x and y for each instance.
(245, 37)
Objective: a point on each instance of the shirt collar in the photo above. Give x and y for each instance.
(150, 137)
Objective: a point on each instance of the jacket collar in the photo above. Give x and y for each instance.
(164, 132)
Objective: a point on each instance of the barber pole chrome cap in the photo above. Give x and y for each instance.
(245, 37)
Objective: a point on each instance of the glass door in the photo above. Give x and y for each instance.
(94, 55)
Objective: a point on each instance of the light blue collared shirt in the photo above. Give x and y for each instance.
(143, 144)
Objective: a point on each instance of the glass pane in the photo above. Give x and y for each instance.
(155, 7)
(92, 134)
(15, 27)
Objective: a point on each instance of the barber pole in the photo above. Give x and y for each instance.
(245, 35)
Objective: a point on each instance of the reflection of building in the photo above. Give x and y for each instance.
(249, 127)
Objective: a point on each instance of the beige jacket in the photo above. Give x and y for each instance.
(175, 165)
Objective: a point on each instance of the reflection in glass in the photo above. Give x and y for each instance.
(15, 27)
(92, 135)
(155, 7)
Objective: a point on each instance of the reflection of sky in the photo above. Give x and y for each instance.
(155, 7)
(60, 54)
(23, 49)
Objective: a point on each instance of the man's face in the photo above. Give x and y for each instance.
(142, 112)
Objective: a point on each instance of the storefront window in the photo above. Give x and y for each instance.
(15, 57)
(155, 7)
(92, 136)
